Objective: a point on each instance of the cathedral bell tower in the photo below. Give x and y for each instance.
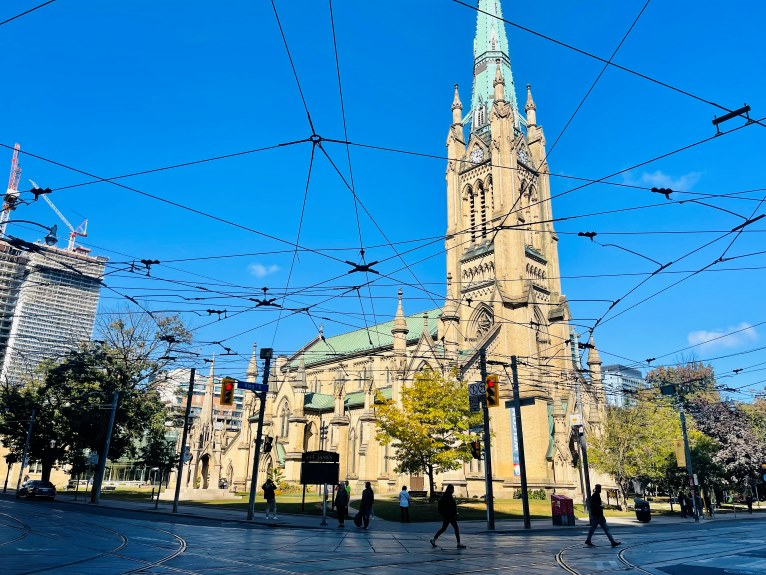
(501, 246)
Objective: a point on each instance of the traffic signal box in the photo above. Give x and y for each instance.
(227, 391)
(476, 449)
(492, 390)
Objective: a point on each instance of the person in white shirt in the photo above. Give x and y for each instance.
(404, 504)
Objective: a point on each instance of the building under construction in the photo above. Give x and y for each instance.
(48, 295)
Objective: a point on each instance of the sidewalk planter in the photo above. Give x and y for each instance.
(643, 511)
(562, 510)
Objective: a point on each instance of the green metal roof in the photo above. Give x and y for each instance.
(358, 341)
(318, 401)
(325, 402)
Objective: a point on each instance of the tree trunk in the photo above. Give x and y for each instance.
(431, 490)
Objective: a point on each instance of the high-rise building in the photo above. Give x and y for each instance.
(48, 301)
(621, 384)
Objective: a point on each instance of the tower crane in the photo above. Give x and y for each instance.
(81, 230)
(11, 197)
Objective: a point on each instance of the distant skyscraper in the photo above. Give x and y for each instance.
(621, 383)
(48, 301)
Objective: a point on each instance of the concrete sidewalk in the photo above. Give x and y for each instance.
(292, 520)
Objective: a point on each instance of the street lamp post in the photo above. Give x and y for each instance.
(26, 448)
(95, 493)
(50, 238)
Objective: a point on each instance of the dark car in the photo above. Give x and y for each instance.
(36, 488)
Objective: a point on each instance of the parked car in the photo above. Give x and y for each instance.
(36, 488)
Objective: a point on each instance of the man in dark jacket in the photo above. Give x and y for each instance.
(597, 518)
(341, 504)
(448, 511)
(269, 494)
(365, 507)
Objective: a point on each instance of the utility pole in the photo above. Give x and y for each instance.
(586, 470)
(490, 499)
(184, 437)
(95, 493)
(266, 354)
(688, 454)
(520, 442)
(26, 448)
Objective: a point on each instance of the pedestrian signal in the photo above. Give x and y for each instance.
(267, 441)
(227, 391)
(492, 391)
(476, 449)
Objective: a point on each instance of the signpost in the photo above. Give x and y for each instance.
(475, 392)
(251, 386)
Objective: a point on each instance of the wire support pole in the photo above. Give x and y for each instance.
(26, 449)
(520, 442)
(266, 353)
(489, 497)
(184, 438)
(96, 491)
(689, 471)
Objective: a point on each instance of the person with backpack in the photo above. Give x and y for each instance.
(448, 510)
(269, 494)
(404, 504)
(341, 504)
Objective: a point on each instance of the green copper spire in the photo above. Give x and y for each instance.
(489, 46)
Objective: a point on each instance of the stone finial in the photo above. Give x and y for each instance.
(450, 306)
(499, 83)
(457, 108)
(593, 356)
(252, 367)
(530, 108)
(400, 324)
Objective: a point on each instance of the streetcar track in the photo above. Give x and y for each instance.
(25, 527)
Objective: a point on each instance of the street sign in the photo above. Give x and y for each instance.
(476, 429)
(93, 459)
(474, 403)
(187, 456)
(477, 389)
(257, 387)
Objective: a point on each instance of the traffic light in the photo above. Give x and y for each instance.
(267, 441)
(227, 391)
(492, 391)
(476, 449)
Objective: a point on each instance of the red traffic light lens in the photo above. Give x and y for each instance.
(490, 383)
(229, 386)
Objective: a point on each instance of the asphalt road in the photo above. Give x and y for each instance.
(64, 538)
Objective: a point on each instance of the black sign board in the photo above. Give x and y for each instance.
(320, 457)
(319, 473)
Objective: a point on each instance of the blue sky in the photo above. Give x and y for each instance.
(112, 88)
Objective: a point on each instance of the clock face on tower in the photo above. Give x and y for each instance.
(477, 155)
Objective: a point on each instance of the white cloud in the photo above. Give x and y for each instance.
(732, 337)
(659, 179)
(261, 271)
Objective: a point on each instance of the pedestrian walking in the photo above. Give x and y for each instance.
(269, 494)
(682, 505)
(690, 506)
(597, 518)
(404, 504)
(365, 507)
(749, 501)
(341, 504)
(448, 511)
(700, 506)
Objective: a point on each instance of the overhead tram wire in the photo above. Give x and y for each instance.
(12, 18)
(592, 86)
(178, 205)
(350, 169)
(608, 62)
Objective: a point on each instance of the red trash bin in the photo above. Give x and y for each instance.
(562, 510)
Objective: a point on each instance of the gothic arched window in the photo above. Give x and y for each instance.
(483, 207)
(284, 424)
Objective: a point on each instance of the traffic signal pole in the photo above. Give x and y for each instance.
(520, 442)
(266, 354)
(95, 492)
(489, 497)
(184, 437)
(687, 452)
(26, 448)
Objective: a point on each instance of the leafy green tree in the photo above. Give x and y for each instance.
(72, 396)
(636, 441)
(429, 432)
(159, 451)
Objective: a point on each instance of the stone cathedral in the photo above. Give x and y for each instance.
(503, 294)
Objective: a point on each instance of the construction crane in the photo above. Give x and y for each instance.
(11, 198)
(81, 230)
